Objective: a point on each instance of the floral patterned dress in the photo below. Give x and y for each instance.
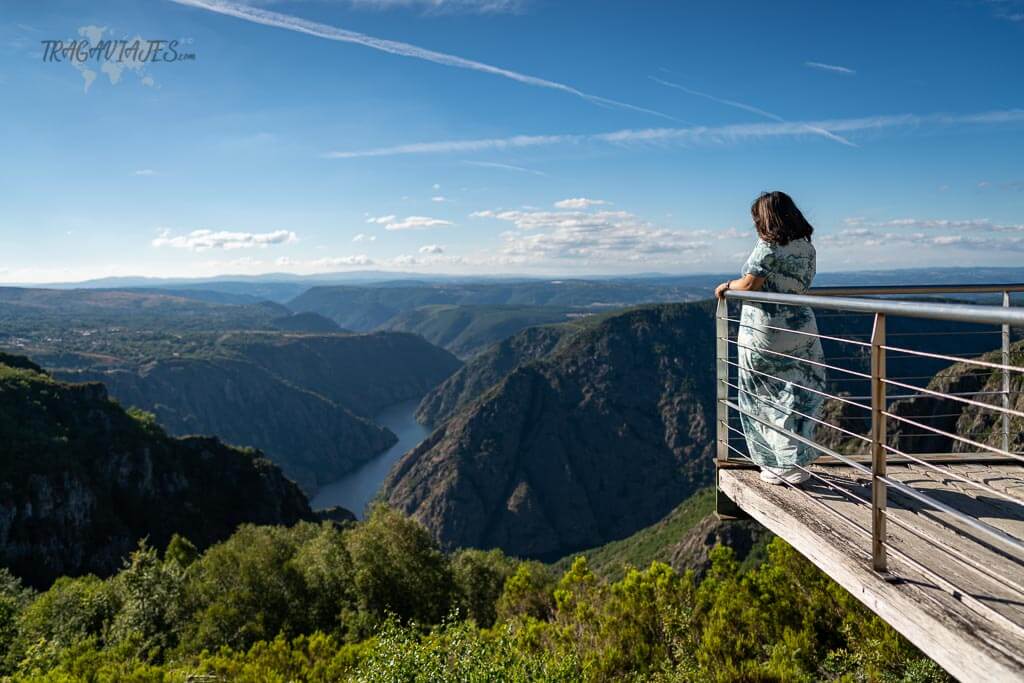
(774, 387)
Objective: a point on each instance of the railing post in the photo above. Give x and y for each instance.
(1006, 376)
(879, 498)
(721, 377)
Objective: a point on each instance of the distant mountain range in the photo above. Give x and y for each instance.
(282, 287)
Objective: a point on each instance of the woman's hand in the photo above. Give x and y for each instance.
(721, 289)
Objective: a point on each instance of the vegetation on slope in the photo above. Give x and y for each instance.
(81, 480)
(378, 601)
(596, 440)
(683, 539)
(467, 330)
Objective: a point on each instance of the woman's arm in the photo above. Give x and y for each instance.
(747, 283)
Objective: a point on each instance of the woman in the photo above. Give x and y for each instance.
(777, 384)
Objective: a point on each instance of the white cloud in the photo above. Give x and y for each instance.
(831, 67)
(698, 135)
(409, 222)
(969, 224)
(358, 260)
(145, 172)
(431, 249)
(925, 235)
(363, 237)
(436, 187)
(600, 236)
(439, 199)
(580, 203)
(881, 241)
(292, 23)
(201, 240)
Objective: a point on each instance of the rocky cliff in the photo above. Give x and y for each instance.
(306, 400)
(486, 370)
(598, 439)
(947, 414)
(82, 480)
(314, 440)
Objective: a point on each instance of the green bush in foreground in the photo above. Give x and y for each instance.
(379, 602)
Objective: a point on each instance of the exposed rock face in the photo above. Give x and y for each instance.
(304, 400)
(486, 370)
(314, 440)
(362, 372)
(468, 330)
(942, 413)
(600, 438)
(692, 551)
(81, 481)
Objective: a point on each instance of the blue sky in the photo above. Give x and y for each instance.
(504, 136)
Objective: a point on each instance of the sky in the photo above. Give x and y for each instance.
(528, 137)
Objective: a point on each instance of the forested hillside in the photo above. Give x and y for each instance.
(81, 480)
(379, 602)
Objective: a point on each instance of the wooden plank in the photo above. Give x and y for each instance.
(968, 645)
(863, 459)
(995, 579)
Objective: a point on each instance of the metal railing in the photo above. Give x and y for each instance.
(883, 407)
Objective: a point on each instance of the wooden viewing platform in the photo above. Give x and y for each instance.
(931, 542)
(968, 619)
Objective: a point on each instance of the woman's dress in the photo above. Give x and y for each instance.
(778, 389)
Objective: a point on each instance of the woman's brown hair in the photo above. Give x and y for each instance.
(778, 220)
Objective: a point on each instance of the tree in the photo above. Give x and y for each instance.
(398, 568)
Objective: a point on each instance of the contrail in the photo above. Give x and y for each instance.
(699, 135)
(506, 167)
(831, 67)
(291, 23)
(747, 107)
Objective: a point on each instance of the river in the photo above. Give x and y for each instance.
(355, 490)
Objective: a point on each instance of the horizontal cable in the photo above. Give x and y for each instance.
(955, 397)
(961, 439)
(808, 334)
(946, 472)
(978, 525)
(798, 358)
(807, 442)
(961, 593)
(797, 412)
(800, 386)
(862, 530)
(942, 356)
(965, 313)
(975, 524)
(894, 397)
(935, 334)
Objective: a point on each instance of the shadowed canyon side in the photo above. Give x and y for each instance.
(304, 400)
(599, 439)
(83, 480)
(941, 412)
(468, 330)
(487, 369)
(312, 439)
